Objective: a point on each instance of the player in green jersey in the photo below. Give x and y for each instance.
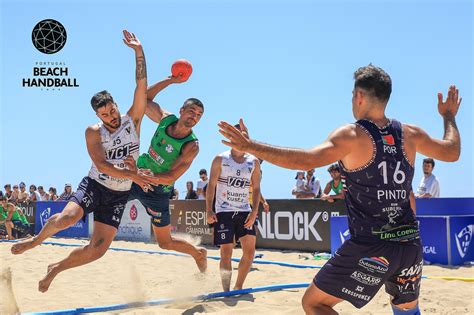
(172, 150)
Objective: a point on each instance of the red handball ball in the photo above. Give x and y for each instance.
(182, 67)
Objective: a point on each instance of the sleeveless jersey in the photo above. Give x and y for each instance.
(117, 146)
(164, 150)
(377, 194)
(337, 190)
(233, 184)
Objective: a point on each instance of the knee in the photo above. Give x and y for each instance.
(166, 245)
(96, 252)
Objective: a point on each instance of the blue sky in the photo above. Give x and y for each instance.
(284, 66)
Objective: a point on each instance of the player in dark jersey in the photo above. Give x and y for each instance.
(376, 156)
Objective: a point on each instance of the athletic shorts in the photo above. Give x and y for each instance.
(230, 227)
(357, 271)
(156, 202)
(107, 204)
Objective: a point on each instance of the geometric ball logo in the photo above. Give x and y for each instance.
(49, 36)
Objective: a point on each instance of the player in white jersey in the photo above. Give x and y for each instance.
(113, 146)
(232, 173)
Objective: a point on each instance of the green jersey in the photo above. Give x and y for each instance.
(337, 190)
(164, 150)
(15, 216)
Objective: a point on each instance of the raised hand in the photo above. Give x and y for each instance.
(131, 40)
(450, 107)
(238, 139)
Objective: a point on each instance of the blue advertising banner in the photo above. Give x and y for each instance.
(45, 209)
(461, 230)
(339, 232)
(445, 206)
(434, 237)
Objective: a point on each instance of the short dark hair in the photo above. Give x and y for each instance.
(202, 171)
(375, 80)
(34, 186)
(7, 186)
(101, 99)
(192, 101)
(429, 161)
(2, 196)
(334, 167)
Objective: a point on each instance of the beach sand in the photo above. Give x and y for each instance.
(121, 277)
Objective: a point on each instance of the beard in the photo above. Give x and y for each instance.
(116, 125)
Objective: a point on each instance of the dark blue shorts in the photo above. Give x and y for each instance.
(358, 270)
(156, 202)
(107, 204)
(230, 227)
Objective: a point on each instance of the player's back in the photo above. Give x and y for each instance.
(377, 194)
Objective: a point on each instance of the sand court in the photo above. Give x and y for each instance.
(126, 277)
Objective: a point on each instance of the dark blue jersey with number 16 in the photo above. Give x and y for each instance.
(377, 194)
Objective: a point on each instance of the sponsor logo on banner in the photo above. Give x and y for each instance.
(355, 294)
(301, 225)
(133, 213)
(377, 264)
(429, 250)
(135, 225)
(365, 278)
(345, 235)
(463, 239)
(44, 216)
(196, 223)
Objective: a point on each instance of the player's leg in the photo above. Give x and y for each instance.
(166, 241)
(225, 265)
(318, 302)
(57, 222)
(248, 254)
(101, 239)
(404, 285)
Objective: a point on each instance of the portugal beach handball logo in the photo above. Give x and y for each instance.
(49, 36)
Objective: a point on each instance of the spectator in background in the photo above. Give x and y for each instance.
(15, 193)
(53, 194)
(191, 193)
(67, 194)
(174, 194)
(313, 185)
(201, 183)
(335, 185)
(8, 191)
(300, 183)
(23, 195)
(429, 186)
(44, 195)
(34, 194)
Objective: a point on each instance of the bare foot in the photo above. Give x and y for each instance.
(44, 284)
(23, 246)
(201, 260)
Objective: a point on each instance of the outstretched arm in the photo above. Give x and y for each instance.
(335, 148)
(449, 148)
(137, 111)
(189, 151)
(153, 109)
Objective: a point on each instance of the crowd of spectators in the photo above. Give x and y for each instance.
(19, 194)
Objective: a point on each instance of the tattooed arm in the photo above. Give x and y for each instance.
(137, 111)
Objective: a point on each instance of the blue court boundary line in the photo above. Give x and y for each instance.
(203, 297)
(257, 261)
